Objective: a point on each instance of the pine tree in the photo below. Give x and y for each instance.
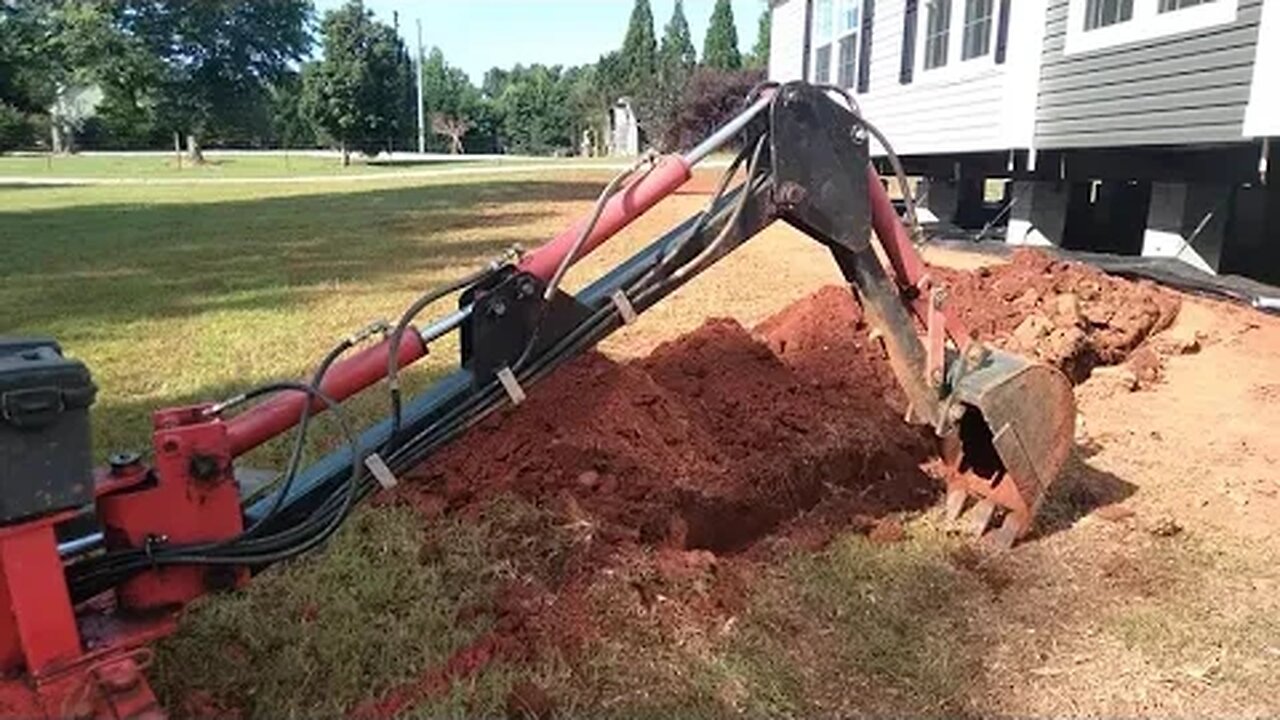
(721, 48)
(677, 56)
(677, 59)
(760, 54)
(640, 50)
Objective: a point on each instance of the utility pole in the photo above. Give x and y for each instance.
(422, 127)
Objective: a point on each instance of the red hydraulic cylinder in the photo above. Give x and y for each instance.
(628, 204)
(907, 264)
(346, 378)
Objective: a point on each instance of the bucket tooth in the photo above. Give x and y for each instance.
(956, 498)
(981, 517)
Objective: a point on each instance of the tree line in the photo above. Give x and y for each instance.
(132, 74)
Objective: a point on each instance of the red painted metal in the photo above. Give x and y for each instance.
(346, 378)
(37, 625)
(907, 264)
(48, 672)
(628, 204)
(194, 498)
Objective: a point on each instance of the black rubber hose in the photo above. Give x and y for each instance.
(94, 575)
(299, 445)
(397, 336)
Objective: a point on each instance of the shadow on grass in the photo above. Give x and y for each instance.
(1081, 489)
(70, 267)
(412, 163)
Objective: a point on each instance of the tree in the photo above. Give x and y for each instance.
(450, 100)
(720, 50)
(759, 58)
(677, 60)
(710, 99)
(215, 58)
(453, 127)
(537, 111)
(639, 58)
(354, 94)
(290, 126)
(20, 36)
(677, 57)
(495, 81)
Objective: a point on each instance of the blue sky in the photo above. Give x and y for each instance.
(476, 35)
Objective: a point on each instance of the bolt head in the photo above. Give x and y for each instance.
(122, 461)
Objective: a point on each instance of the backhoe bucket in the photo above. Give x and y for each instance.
(1012, 440)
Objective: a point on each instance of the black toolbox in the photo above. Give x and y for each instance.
(46, 463)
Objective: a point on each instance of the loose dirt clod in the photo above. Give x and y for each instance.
(1067, 314)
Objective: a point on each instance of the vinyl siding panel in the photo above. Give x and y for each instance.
(1191, 87)
(964, 107)
(1262, 118)
(786, 41)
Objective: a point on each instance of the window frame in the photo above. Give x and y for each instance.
(956, 65)
(991, 21)
(1148, 22)
(1120, 19)
(836, 34)
(945, 35)
(824, 77)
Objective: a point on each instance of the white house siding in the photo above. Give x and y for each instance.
(786, 41)
(967, 106)
(1262, 117)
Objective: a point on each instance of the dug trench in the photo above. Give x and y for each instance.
(724, 445)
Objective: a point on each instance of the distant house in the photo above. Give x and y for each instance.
(1131, 126)
(624, 130)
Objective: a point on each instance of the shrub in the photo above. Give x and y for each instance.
(709, 99)
(16, 129)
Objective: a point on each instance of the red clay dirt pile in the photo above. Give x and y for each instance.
(1067, 314)
(708, 443)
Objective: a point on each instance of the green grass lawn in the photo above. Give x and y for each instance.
(182, 293)
(158, 167)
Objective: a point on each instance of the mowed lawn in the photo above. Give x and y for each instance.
(162, 168)
(180, 294)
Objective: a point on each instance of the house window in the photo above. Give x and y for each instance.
(1096, 24)
(1171, 5)
(978, 16)
(1102, 13)
(847, 16)
(822, 20)
(937, 32)
(822, 65)
(848, 60)
(836, 24)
